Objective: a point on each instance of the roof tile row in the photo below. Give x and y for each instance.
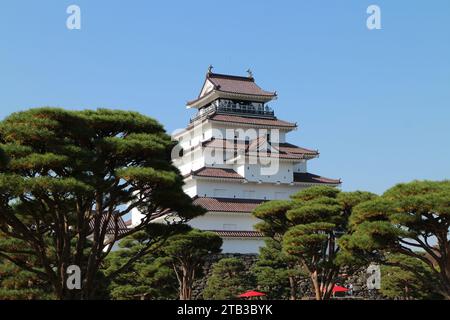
(238, 234)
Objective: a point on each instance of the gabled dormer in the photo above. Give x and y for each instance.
(232, 88)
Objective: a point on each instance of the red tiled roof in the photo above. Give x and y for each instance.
(306, 177)
(111, 227)
(222, 143)
(286, 150)
(238, 234)
(237, 84)
(290, 148)
(278, 155)
(216, 173)
(227, 204)
(251, 120)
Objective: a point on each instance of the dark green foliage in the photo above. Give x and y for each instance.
(411, 219)
(3, 158)
(273, 215)
(150, 277)
(277, 273)
(228, 279)
(187, 253)
(309, 226)
(69, 170)
(408, 278)
(168, 271)
(16, 283)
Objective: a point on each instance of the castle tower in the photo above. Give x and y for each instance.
(235, 156)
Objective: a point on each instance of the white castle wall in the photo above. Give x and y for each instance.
(223, 189)
(224, 221)
(242, 245)
(231, 221)
(300, 166)
(222, 131)
(278, 171)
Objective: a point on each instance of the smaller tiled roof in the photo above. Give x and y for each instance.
(285, 150)
(237, 84)
(293, 149)
(238, 234)
(305, 177)
(224, 84)
(222, 143)
(111, 226)
(281, 155)
(216, 173)
(227, 204)
(251, 120)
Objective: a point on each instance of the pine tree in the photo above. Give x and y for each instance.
(412, 219)
(149, 277)
(16, 283)
(70, 175)
(228, 279)
(407, 278)
(278, 274)
(309, 226)
(187, 253)
(169, 270)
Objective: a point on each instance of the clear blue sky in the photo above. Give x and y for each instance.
(375, 103)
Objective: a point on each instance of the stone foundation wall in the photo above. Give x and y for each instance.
(358, 280)
(248, 259)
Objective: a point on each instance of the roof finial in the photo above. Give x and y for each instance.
(250, 73)
(210, 69)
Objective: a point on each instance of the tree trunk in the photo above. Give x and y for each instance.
(316, 285)
(293, 288)
(186, 281)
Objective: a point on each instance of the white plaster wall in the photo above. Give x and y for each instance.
(231, 245)
(190, 162)
(240, 169)
(136, 216)
(263, 191)
(206, 88)
(190, 188)
(301, 166)
(230, 221)
(194, 136)
(215, 157)
(283, 172)
(220, 132)
(224, 221)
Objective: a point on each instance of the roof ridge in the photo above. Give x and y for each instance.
(315, 178)
(233, 199)
(230, 76)
(282, 123)
(215, 172)
(213, 168)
